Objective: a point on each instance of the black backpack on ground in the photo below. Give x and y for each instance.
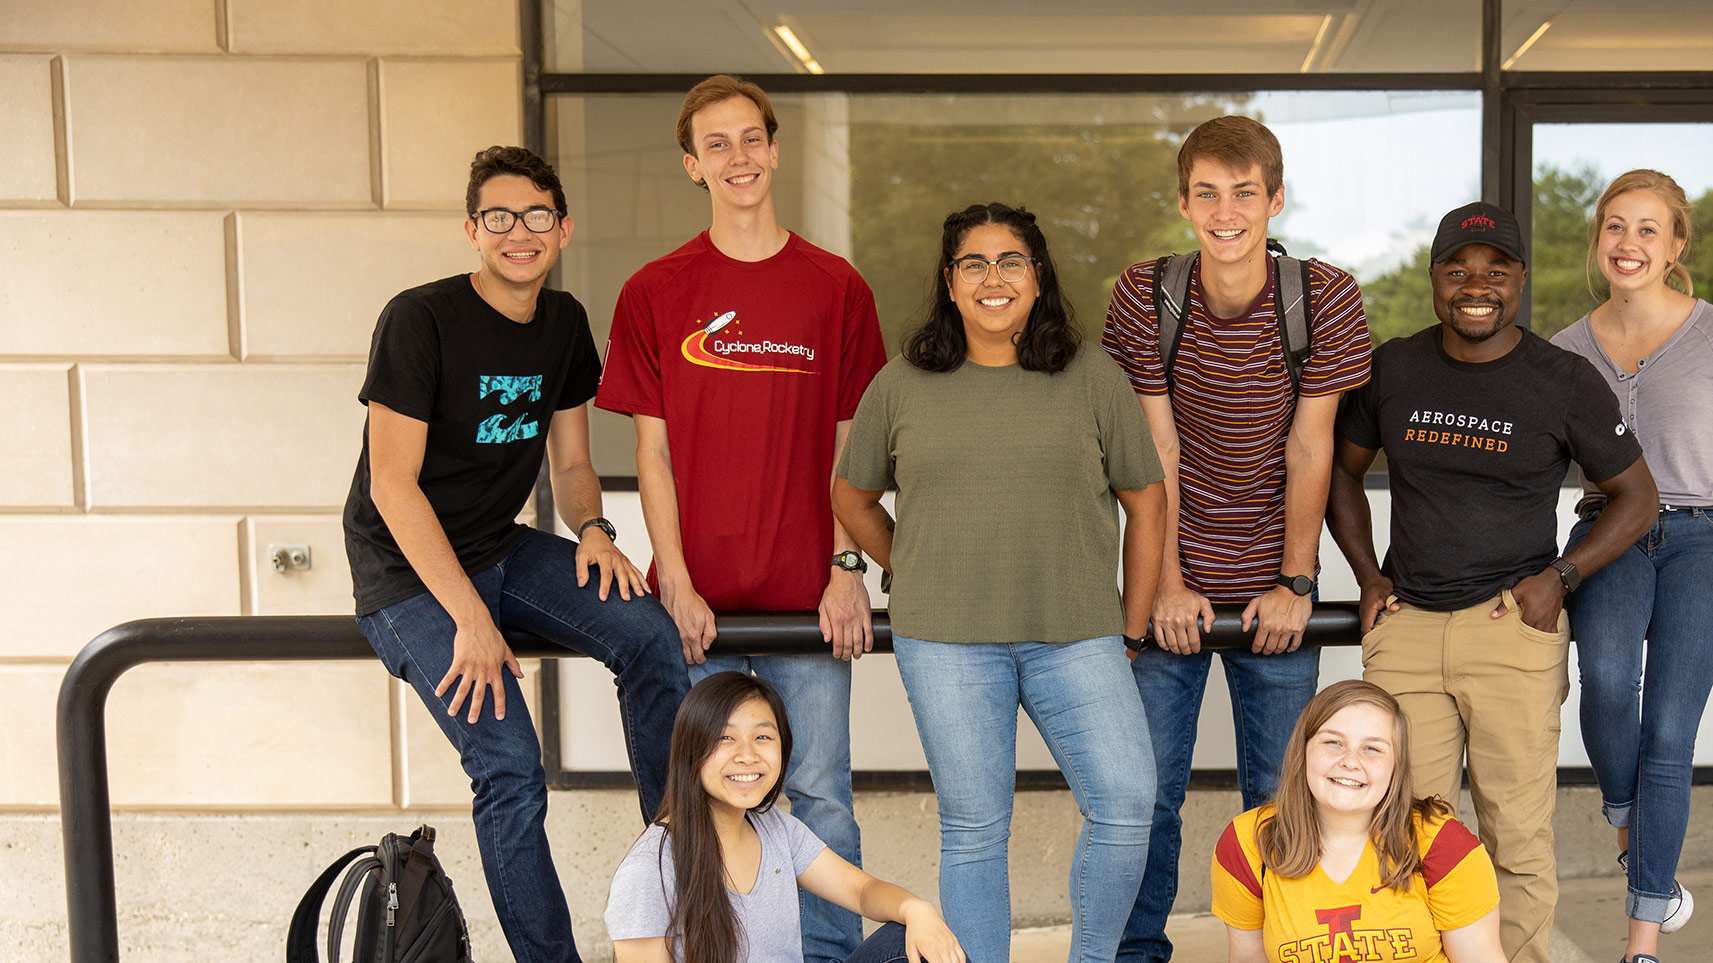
(406, 912)
(1291, 303)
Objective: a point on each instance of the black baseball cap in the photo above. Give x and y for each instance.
(1478, 223)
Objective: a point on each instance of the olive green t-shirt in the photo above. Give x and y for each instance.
(1007, 523)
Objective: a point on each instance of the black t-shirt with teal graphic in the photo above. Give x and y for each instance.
(487, 387)
(1476, 454)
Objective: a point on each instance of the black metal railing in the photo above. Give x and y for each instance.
(85, 810)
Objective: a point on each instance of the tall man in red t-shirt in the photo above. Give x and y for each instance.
(1248, 461)
(741, 357)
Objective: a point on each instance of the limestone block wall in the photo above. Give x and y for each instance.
(203, 206)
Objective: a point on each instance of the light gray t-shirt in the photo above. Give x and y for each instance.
(1007, 522)
(1667, 401)
(640, 903)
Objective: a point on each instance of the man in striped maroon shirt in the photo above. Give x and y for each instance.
(1247, 463)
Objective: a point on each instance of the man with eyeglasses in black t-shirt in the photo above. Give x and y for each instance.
(471, 380)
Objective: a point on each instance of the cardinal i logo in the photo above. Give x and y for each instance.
(711, 345)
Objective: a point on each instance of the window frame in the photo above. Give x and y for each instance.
(1511, 103)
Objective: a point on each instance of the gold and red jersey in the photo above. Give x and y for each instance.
(1317, 920)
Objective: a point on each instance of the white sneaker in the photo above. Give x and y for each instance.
(1678, 909)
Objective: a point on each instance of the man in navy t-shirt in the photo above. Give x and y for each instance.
(1464, 623)
(471, 380)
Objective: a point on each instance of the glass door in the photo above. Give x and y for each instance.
(1565, 155)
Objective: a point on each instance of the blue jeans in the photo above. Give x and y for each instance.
(1660, 589)
(965, 700)
(817, 693)
(1268, 692)
(535, 588)
(885, 946)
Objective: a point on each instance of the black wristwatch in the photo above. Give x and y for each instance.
(1567, 573)
(600, 523)
(850, 562)
(1300, 584)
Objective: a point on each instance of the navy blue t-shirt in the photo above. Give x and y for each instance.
(487, 386)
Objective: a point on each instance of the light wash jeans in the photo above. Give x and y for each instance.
(1080, 697)
(1641, 705)
(817, 693)
(535, 588)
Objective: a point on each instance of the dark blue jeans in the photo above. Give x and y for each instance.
(535, 588)
(1268, 692)
(885, 946)
(1642, 704)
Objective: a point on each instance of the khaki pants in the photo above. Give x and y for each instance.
(1491, 688)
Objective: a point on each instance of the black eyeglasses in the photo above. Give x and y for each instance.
(499, 220)
(974, 268)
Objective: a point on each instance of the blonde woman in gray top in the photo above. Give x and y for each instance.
(1653, 342)
(1013, 447)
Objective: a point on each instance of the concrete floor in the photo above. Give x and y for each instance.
(1590, 929)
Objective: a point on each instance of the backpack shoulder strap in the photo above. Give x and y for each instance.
(300, 937)
(360, 871)
(1294, 305)
(1171, 304)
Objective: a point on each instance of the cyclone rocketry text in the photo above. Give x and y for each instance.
(724, 348)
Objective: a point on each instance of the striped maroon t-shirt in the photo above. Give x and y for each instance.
(1232, 405)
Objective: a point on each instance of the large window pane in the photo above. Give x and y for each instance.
(1573, 165)
(1014, 36)
(871, 177)
(1602, 35)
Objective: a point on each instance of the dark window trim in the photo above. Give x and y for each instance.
(1512, 101)
(552, 83)
(1659, 85)
(1602, 84)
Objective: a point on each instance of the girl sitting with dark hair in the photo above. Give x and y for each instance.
(715, 878)
(1012, 451)
(1346, 863)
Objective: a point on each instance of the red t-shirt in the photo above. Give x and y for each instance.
(751, 365)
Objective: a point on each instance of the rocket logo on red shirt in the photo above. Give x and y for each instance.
(712, 345)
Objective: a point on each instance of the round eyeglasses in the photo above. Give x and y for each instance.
(499, 220)
(974, 269)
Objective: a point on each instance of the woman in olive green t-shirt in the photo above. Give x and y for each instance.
(1012, 451)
